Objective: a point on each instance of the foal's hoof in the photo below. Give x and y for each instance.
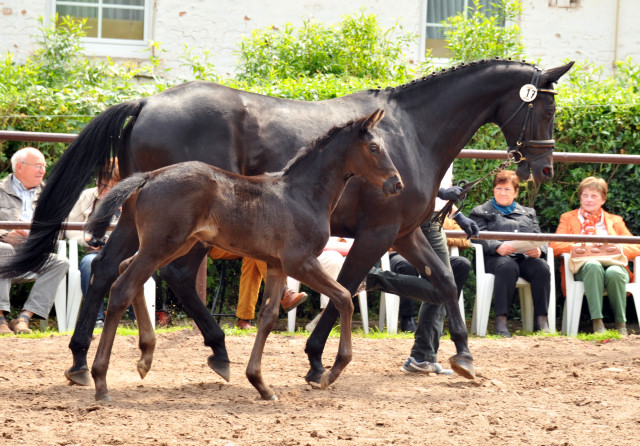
(143, 368)
(220, 367)
(326, 380)
(463, 366)
(81, 377)
(104, 398)
(314, 378)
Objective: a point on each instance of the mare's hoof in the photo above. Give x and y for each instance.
(143, 369)
(81, 377)
(220, 367)
(104, 398)
(314, 378)
(463, 366)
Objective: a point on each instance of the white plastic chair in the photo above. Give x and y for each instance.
(67, 302)
(575, 294)
(291, 315)
(390, 303)
(484, 294)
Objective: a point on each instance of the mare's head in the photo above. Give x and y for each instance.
(369, 158)
(526, 117)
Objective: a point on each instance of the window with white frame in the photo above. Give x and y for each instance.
(116, 28)
(438, 10)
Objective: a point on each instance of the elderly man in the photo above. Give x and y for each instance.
(18, 196)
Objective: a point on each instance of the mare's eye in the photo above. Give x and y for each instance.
(373, 148)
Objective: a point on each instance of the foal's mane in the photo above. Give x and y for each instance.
(318, 144)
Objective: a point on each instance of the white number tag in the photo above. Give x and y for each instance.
(528, 93)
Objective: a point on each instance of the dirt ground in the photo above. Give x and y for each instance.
(531, 391)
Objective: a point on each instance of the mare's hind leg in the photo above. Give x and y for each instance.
(273, 287)
(104, 271)
(147, 337)
(180, 275)
(123, 291)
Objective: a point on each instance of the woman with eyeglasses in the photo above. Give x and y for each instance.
(504, 214)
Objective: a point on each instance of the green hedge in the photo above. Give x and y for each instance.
(58, 90)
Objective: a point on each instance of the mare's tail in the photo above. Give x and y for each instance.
(99, 221)
(89, 154)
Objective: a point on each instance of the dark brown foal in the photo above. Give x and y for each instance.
(281, 218)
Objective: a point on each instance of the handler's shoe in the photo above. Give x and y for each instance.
(412, 366)
(291, 299)
(4, 327)
(19, 325)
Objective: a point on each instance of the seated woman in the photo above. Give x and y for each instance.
(504, 214)
(591, 219)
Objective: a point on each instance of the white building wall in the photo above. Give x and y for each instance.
(220, 25)
(19, 26)
(600, 31)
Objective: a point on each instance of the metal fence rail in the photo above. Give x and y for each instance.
(484, 235)
(8, 135)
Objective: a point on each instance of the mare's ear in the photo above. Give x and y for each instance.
(552, 75)
(371, 121)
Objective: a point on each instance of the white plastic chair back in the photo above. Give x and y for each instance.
(484, 294)
(575, 294)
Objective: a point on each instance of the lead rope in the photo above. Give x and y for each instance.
(513, 157)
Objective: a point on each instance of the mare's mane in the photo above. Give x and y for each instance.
(438, 74)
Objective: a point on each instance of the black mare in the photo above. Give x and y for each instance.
(427, 123)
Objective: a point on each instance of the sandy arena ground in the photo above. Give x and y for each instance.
(529, 391)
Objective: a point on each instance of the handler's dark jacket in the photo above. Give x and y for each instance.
(488, 218)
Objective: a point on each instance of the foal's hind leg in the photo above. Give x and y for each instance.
(273, 287)
(123, 291)
(104, 271)
(146, 335)
(180, 275)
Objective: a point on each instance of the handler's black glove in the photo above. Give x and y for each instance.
(450, 193)
(469, 226)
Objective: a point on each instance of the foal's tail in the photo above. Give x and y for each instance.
(104, 137)
(99, 221)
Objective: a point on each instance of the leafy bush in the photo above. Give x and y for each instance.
(357, 47)
(485, 34)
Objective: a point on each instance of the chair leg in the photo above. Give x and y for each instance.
(291, 314)
(526, 307)
(364, 310)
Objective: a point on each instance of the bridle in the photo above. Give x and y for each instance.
(528, 94)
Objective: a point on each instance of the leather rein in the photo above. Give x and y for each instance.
(528, 94)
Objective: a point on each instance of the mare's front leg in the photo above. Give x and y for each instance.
(104, 271)
(267, 318)
(421, 252)
(314, 276)
(180, 275)
(365, 252)
(124, 290)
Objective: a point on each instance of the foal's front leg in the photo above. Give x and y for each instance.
(273, 287)
(313, 275)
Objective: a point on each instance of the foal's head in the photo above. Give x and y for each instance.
(369, 158)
